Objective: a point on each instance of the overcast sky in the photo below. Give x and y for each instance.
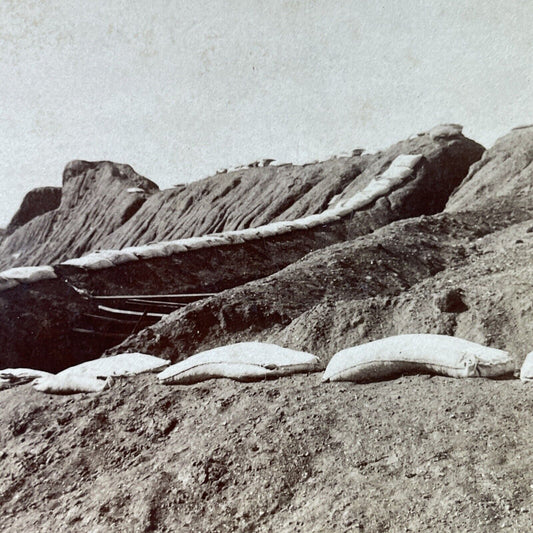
(180, 88)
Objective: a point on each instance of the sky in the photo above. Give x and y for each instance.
(178, 89)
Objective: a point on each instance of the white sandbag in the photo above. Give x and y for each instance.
(149, 251)
(71, 384)
(246, 361)
(17, 376)
(124, 364)
(119, 257)
(234, 238)
(29, 274)
(396, 174)
(445, 130)
(277, 226)
(358, 200)
(297, 225)
(334, 200)
(177, 246)
(289, 225)
(424, 353)
(341, 211)
(265, 231)
(407, 160)
(526, 372)
(329, 216)
(248, 234)
(218, 240)
(92, 261)
(375, 189)
(194, 243)
(311, 221)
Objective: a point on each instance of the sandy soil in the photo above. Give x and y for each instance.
(412, 454)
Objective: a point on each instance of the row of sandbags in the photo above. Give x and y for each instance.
(30, 274)
(252, 361)
(399, 170)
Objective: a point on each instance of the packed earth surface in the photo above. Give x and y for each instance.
(449, 252)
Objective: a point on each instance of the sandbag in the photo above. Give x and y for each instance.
(407, 160)
(29, 274)
(395, 175)
(444, 131)
(119, 257)
(311, 221)
(18, 376)
(195, 243)
(149, 251)
(92, 261)
(423, 353)
(526, 372)
(71, 384)
(124, 364)
(341, 211)
(265, 231)
(246, 361)
(176, 246)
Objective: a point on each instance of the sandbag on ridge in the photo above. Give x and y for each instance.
(526, 372)
(18, 376)
(29, 274)
(71, 384)
(417, 353)
(124, 364)
(245, 361)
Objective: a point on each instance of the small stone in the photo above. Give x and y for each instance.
(451, 301)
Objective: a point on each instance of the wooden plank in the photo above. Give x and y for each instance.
(196, 296)
(100, 333)
(174, 305)
(111, 320)
(126, 312)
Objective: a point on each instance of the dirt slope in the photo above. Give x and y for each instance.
(503, 176)
(357, 291)
(35, 203)
(310, 304)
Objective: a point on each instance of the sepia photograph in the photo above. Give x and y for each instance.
(266, 266)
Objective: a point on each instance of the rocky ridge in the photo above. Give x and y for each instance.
(35, 203)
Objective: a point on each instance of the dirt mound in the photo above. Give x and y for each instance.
(356, 292)
(36, 202)
(288, 455)
(503, 177)
(223, 267)
(95, 201)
